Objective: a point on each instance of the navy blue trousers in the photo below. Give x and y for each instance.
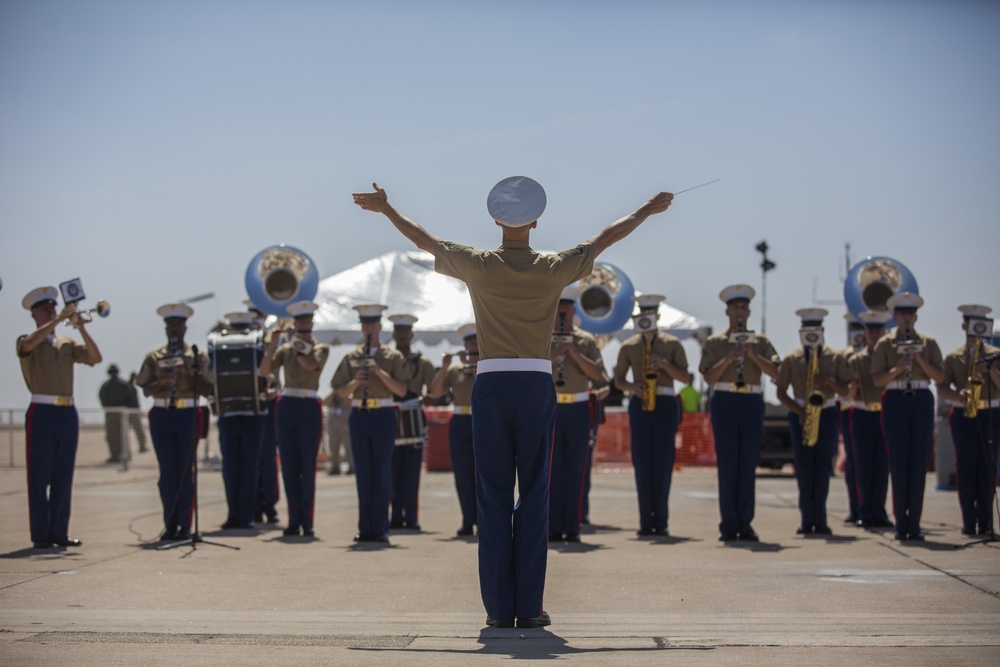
(654, 450)
(406, 463)
(240, 440)
(463, 465)
(50, 449)
(814, 465)
(570, 445)
(850, 471)
(975, 465)
(738, 428)
(512, 421)
(587, 473)
(175, 439)
(871, 464)
(908, 425)
(267, 486)
(300, 429)
(373, 437)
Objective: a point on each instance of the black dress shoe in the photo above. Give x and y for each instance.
(465, 531)
(861, 523)
(749, 536)
(68, 542)
(168, 535)
(397, 525)
(535, 622)
(493, 623)
(915, 537)
(729, 537)
(230, 524)
(412, 526)
(662, 532)
(986, 530)
(41, 545)
(851, 518)
(272, 518)
(259, 517)
(645, 532)
(572, 538)
(555, 537)
(899, 536)
(822, 530)
(291, 531)
(804, 530)
(308, 532)
(883, 523)
(968, 530)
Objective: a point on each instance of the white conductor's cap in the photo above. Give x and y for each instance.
(402, 320)
(904, 300)
(175, 310)
(467, 330)
(371, 312)
(39, 295)
(737, 292)
(974, 310)
(516, 201)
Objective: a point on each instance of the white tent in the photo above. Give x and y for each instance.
(407, 283)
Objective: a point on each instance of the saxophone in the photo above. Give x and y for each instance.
(364, 385)
(814, 402)
(974, 387)
(908, 383)
(649, 376)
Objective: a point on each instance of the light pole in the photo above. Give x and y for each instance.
(765, 266)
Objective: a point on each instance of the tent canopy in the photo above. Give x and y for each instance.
(407, 283)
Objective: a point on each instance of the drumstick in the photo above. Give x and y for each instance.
(697, 186)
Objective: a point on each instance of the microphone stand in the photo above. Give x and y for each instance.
(988, 455)
(195, 539)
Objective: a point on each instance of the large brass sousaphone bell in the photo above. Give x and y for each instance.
(605, 302)
(279, 276)
(873, 281)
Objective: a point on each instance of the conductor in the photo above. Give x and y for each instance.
(515, 291)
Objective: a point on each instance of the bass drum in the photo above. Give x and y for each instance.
(236, 357)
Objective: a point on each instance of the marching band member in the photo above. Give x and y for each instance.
(903, 364)
(515, 292)
(267, 484)
(174, 376)
(370, 376)
(299, 416)
(734, 371)
(856, 343)
(459, 379)
(51, 423)
(240, 440)
(871, 460)
(812, 371)
(656, 360)
(408, 456)
(577, 367)
(974, 406)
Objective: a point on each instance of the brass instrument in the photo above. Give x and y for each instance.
(649, 376)
(873, 281)
(908, 346)
(814, 400)
(561, 338)
(103, 309)
(974, 387)
(279, 276)
(740, 380)
(605, 303)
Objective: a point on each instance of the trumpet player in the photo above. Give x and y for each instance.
(734, 370)
(974, 405)
(459, 379)
(813, 372)
(299, 417)
(903, 365)
(656, 360)
(371, 376)
(174, 376)
(51, 424)
(577, 367)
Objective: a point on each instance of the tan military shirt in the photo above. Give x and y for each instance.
(422, 372)
(575, 380)
(718, 346)
(858, 367)
(515, 292)
(460, 378)
(885, 356)
(48, 369)
(794, 370)
(956, 370)
(391, 361)
(297, 377)
(634, 348)
(184, 387)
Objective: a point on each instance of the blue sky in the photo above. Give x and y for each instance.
(154, 148)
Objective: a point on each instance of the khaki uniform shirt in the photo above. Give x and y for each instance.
(297, 377)
(634, 348)
(885, 356)
(956, 370)
(515, 292)
(460, 378)
(391, 361)
(576, 381)
(421, 373)
(718, 346)
(794, 369)
(184, 388)
(858, 367)
(48, 369)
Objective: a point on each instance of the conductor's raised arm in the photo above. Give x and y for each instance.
(378, 202)
(619, 229)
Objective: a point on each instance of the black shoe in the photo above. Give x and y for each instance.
(411, 526)
(585, 521)
(968, 530)
(536, 622)
(230, 524)
(899, 536)
(499, 624)
(272, 518)
(41, 545)
(804, 530)
(308, 532)
(555, 537)
(183, 534)
(465, 531)
(822, 530)
(259, 517)
(851, 518)
(397, 525)
(645, 532)
(729, 537)
(986, 530)
(861, 523)
(749, 536)
(572, 538)
(291, 531)
(68, 542)
(915, 537)
(662, 532)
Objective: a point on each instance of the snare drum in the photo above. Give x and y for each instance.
(236, 357)
(411, 425)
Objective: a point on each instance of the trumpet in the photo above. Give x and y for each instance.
(974, 387)
(908, 348)
(103, 309)
(814, 401)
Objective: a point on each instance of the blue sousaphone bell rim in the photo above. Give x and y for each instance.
(872, 281)
(620, 301)
(292, 263)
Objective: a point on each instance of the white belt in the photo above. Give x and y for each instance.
(874, 406)
(500, 365)
(49, 399)
(846, 405)
(412, 404)
(298, 393)
(731, 386)
(665, 391)
(572, 398)
(829, 404)
(916, 384)
(372, 403)
(177, 403)
(462, 410)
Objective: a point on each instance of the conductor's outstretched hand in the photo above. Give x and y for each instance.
(658, 204)
(372, 201)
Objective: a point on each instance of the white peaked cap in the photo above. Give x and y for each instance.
(516, 201)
